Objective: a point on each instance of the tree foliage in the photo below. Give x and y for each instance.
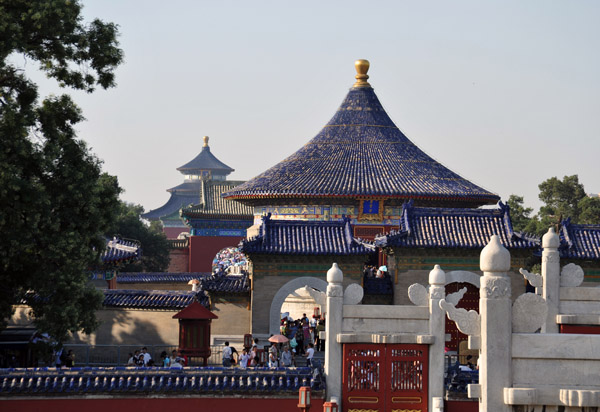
(519, 214)
(589, 211)
(55, 203)
(155, 247)
(562, 199)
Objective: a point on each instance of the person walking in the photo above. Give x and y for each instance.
(310, 353)
(244, 358)
(226, 354)
(166, 361)
(286, 357)
(146, 357)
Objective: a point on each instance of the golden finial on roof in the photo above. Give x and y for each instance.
(362, 67)
(205, 138)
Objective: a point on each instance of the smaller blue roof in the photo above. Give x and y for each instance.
(294, 237)
(121, 250)
(214, 283)
(236, 284)
(205, 161)
(423, 227)
(175, 202)
(579, 241)
(152, 299)
(159, 277)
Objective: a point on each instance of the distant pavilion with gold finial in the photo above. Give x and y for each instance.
(196, 208)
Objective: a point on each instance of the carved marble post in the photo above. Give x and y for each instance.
(333, 326)
(496, 327)
(437, 328)
(551, 276)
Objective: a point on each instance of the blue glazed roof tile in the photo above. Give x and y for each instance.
(159, 277)
(579, 241)
(152, 299)
(455, 228)
(236, 284)
(206, 161)
(361, 152)
(121, 250)
(211, 202)
(290, 237)
(176, 202)
(214, 283)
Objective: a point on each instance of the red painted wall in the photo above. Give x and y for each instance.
(461, 406)
(578, 329)
(156, 404)
(204, 248)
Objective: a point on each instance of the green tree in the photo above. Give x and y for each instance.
(55, 203)
(155, 246)
(519, 214)
(561, 200)
(589, 210)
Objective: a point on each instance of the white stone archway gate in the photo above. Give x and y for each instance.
(282, 294)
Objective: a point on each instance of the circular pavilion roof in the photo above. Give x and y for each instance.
(205, 161)
(361, 153)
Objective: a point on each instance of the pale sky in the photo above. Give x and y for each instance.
(504, 93)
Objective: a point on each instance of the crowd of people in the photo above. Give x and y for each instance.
(302, 332)
(370, 271)
(227, 257)
(143, 358)
(277, 355)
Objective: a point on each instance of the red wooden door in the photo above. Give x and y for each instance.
(390, 377)
(362, 377)
(407, 375)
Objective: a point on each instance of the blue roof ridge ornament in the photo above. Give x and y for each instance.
(406, 212)
(348, 230)
(507, 221)
(565, 225)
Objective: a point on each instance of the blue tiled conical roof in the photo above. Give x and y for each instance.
(205, 161)
(361, 152)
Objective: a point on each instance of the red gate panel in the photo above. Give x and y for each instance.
(362, 377)
(379, 377)
(407, 367)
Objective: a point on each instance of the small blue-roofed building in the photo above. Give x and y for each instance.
(580, 244)
(453, 238)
